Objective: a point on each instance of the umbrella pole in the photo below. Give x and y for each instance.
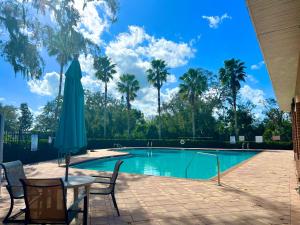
(67, 160)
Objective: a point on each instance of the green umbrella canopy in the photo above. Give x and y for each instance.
(71, 133)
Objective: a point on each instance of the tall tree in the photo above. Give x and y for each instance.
(276, 122)
(63, 41)
(194, 83)
(46, 121)
(19, 38)
(231, 75)
(157, 76)
(26, 118)
(128, 86)
(105, 70)
(11, 117)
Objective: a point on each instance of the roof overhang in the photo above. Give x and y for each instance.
(277, 25)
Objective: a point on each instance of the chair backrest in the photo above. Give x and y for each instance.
(116, 172)
(45, 201)
(14, 171)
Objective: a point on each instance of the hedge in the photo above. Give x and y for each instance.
(21, 151)
(105, 143)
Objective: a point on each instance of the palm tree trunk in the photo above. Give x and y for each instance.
(235, 120)
(59, 91)
(105, 112)
(159, 121)
(128, 111)
(193, 120)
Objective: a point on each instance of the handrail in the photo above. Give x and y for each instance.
(218, 165)
(188, 165)
(117, 145)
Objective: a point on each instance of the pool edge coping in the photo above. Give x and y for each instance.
(222, 174)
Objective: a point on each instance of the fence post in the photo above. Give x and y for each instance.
(219, 176)
(1, 146)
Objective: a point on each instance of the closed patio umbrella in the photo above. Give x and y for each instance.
(71, 133)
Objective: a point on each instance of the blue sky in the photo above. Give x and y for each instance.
(185, 34)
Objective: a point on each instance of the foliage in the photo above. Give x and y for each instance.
(194, 83)
(117, 116)
(21, 151)
(157, 76)
(128, 86)
(105, 70)
(19, 41)
(277, 123)
(189, 143)
(26, 118)
(231, 75)
(11, 117)
(46, 121)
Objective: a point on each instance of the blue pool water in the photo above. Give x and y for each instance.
(195, 164)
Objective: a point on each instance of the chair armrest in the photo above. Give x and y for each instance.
(101, 176)
(103, 182)
(14, 186)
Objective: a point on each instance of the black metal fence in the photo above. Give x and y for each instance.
(23, 137)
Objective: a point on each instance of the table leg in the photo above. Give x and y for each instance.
(75, 198)
(87, 192)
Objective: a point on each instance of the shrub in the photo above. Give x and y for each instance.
(21, 151)
(109, 143)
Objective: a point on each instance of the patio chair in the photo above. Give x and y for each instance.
(111, 181)
(46, 203)
(14, 171)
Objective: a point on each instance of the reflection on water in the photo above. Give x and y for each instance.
(173, 163)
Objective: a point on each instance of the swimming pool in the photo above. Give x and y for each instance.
(195, 164)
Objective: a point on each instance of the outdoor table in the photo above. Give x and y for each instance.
(75, 182)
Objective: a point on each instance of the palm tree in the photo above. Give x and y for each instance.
(194, 83)
(64, 44)
(157, 75)
(128, 86)
(105, 70)
(231, 75)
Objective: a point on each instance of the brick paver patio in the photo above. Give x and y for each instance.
(260, 191)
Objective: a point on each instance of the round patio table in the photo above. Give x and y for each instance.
(75, 182)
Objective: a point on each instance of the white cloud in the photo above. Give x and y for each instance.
(46, 86)
(211, 93)
(195, 40)
(215, 21)
(132, 51)
(88, 80)
(171, 78)
(147, 99)
(257, 66)
(2, 99)
(92, 25)
(37, 112)
(175, 54)
(251, 78)
(255, 96)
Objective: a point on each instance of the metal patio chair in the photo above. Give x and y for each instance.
(13, 172)
(46, 202)
(111, 182)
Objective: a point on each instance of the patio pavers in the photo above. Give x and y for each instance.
(260, 191)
